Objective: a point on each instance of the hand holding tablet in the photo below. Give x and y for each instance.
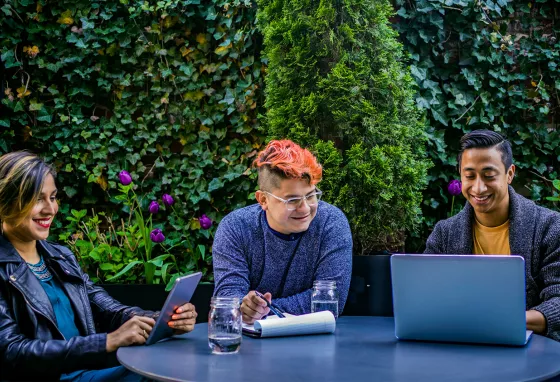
(170, 318)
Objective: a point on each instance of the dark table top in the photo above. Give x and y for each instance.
(362, 349)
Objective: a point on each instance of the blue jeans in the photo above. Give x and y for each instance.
(118, 373)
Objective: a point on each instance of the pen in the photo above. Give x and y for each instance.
(277, 308)
(273, 309)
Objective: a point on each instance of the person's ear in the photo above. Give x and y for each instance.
(261, 199)
(510, 173)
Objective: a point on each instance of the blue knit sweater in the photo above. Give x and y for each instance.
(249, 255)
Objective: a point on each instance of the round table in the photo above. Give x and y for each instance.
(362, 349)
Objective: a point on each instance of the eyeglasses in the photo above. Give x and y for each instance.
(294, 203)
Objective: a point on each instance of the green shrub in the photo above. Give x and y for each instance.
(336, 84)
(167, 90)
(492, 65)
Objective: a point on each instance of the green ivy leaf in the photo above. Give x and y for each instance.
(215, 184)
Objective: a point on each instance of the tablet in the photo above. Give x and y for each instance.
(182, 291)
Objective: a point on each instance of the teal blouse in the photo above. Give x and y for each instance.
(65, 319)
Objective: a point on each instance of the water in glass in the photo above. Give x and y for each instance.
(224, 325)
(324, 297)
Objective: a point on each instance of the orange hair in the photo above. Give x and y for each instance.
(290, 161)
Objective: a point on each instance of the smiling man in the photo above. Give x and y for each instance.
(498, 221)
(285, 242)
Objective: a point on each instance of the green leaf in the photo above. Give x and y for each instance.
(158, 261)
(439, 116)
(171, 282)
(106, 266)
(128, 267)
(78, 214)
(229, 97)
(6, 10)
(419, 73)
(19, 107)
(164, 271)
(70, 192)
(215, 184)
(202, 250)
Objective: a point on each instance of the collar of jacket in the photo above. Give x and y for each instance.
(25, 281)
(521, 221)
(8, 253)
(54, 255)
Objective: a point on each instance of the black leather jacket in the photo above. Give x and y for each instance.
(31, 346)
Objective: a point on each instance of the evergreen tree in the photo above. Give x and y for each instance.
(337, 84)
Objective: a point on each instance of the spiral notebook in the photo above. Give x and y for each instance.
(272, 326)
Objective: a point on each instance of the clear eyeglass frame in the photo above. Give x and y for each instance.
(293, 204)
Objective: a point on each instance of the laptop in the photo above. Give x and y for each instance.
(460, 298)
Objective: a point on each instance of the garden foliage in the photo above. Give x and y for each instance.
(167, 90)
(336, 83)
(492, 65)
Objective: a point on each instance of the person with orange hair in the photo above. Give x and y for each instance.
(286, 241)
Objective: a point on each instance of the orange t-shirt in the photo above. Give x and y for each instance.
(491, 240)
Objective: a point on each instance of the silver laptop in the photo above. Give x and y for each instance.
(460, 298)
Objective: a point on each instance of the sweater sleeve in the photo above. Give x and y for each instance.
(231, 270)
(549, 275)
(335, 263)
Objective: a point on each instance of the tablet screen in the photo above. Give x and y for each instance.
(181, 293)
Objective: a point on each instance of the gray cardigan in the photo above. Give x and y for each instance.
(534, 233)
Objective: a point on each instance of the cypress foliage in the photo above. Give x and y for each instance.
(336, 84)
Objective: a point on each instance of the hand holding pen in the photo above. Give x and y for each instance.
(254, 307)
(273, 308)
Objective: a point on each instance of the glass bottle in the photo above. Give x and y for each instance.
(324, 297)
(224, 325)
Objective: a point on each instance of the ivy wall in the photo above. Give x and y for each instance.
(166, 90)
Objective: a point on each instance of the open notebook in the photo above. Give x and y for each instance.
(272, 326)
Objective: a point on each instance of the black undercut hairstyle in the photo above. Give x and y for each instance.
(480, 139)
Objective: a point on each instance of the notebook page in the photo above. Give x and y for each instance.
(313, 323)
(251, 328)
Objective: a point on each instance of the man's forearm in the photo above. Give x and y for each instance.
(299, 303)
(535, 321)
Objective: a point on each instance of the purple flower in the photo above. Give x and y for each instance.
(125, 178)
(454, 187)
(167, 200)
(157, 236)
(154, 207)
(205, 222)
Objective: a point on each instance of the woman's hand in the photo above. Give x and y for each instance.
(133, 332)
(184, 318)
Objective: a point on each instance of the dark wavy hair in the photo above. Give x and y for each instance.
(486, 139)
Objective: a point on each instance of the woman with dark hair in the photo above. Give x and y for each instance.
(49, 309)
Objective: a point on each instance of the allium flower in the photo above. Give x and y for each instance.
(157, 236)
(205, 222)
(167, 200)
(454, 187)
(154, 207)
(125, 178)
